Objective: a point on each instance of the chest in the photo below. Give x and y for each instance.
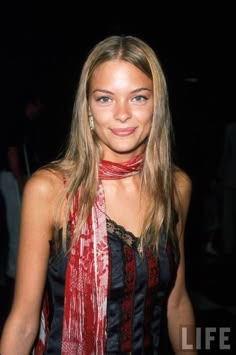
(127, 207)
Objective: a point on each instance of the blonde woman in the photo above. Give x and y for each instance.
(101, 255)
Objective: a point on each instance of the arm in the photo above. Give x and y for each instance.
(37, 219)
(179, 308)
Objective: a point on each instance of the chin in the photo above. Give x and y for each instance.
(126, 150)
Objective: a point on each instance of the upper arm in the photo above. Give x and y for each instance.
(183, 189)
(37, 218)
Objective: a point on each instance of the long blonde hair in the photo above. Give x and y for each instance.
(80, 162)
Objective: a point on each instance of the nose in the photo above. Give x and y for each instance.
(122, 112)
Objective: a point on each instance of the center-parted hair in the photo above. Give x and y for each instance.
(80, 162)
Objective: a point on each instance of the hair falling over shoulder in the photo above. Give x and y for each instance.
(79, 165)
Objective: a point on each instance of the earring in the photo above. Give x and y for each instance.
(91, 123)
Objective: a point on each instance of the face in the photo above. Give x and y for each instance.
(121, 103)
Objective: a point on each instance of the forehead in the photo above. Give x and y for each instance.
(118, 69)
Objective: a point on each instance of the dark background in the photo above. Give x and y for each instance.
(43, 46)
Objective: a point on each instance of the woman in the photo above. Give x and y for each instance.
(113, 211)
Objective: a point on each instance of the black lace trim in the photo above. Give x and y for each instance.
(126, 236)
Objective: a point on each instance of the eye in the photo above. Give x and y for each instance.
(103, 99)
(139, 98)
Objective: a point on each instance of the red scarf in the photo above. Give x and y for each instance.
(86, 284)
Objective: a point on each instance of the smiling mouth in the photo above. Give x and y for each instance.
(123, 132)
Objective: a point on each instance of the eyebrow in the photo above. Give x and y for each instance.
(111, 93)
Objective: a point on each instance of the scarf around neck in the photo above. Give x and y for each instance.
(87, 273)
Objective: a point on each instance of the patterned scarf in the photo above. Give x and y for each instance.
(86, 286)
(86, 281)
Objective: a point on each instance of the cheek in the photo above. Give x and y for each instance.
(102, 116)
(101, 123)
(147, 123)
(145, 118)
(143, 113)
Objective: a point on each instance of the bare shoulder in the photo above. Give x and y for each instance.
(183, 191)
(45, 184)
(183, 183)
(43, 190)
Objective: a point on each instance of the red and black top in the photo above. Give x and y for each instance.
(137, 295)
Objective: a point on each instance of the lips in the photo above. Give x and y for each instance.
(123, 132)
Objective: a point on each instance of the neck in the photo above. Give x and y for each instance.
(115, 157)
(112, 170)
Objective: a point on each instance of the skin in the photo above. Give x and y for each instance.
(179, 308)
(121, 98)
(121, 103)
